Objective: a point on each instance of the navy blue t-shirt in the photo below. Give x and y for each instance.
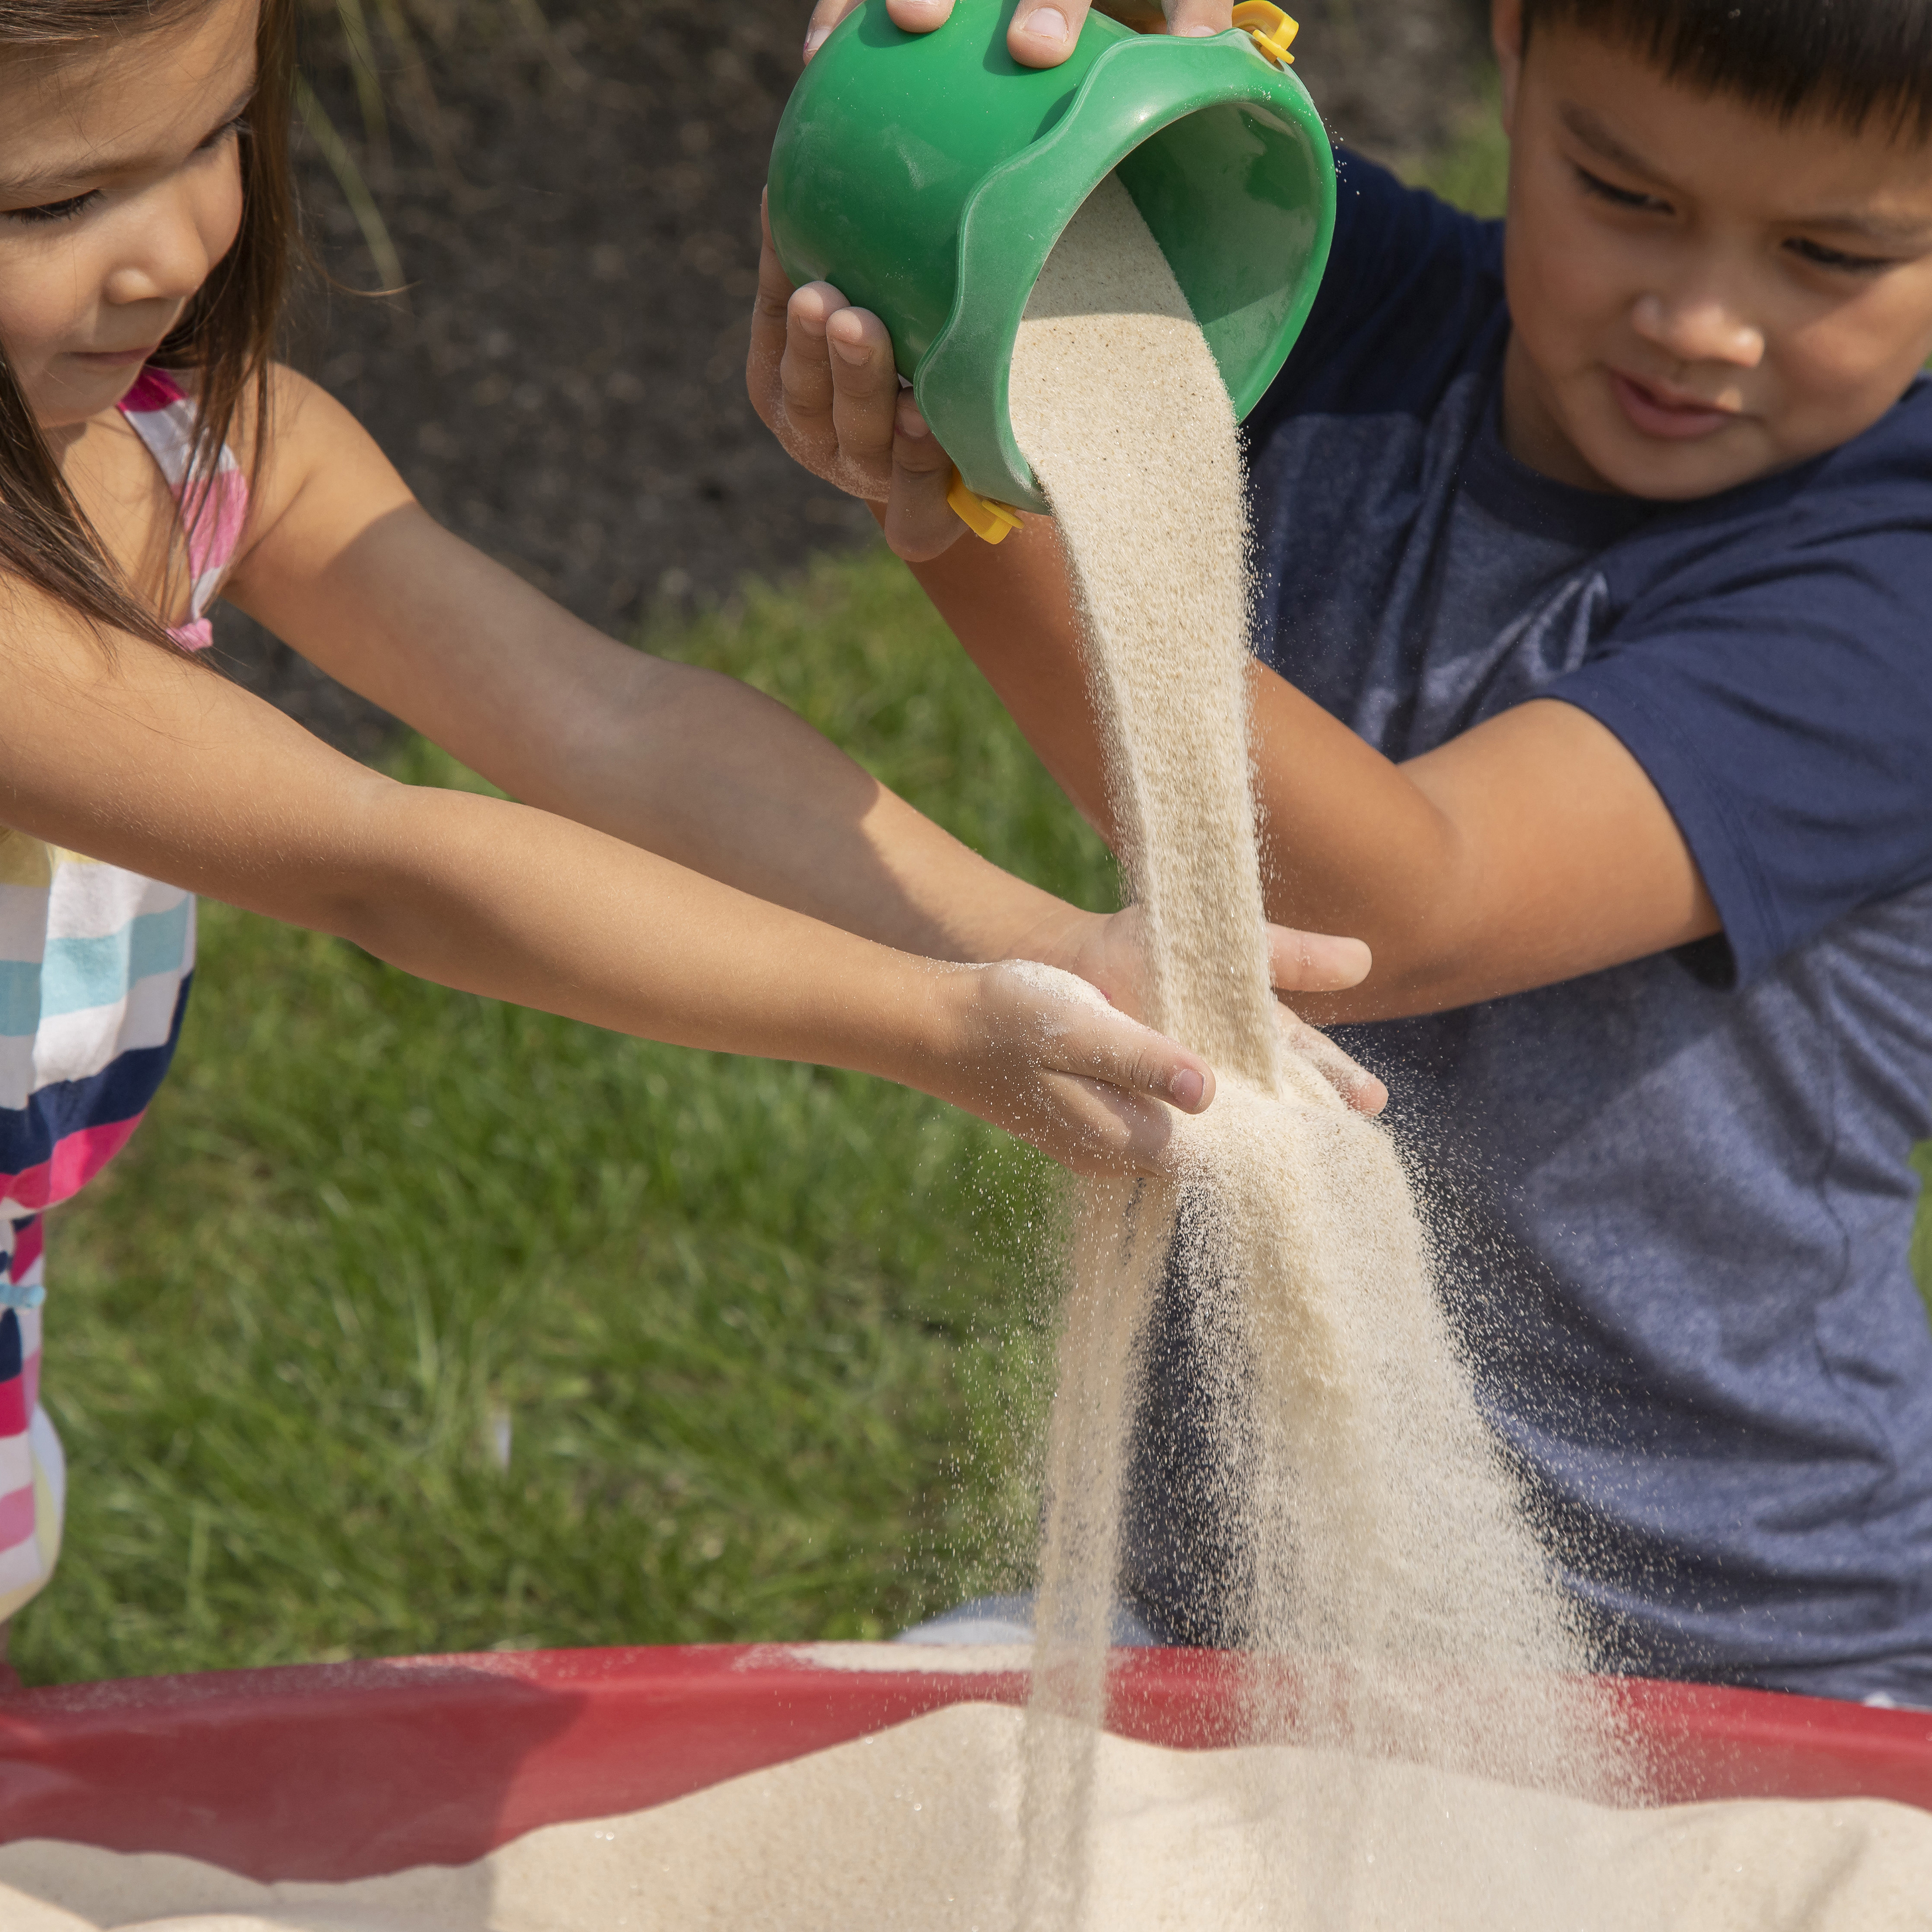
(1675, 1196)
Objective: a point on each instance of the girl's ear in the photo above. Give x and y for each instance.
(1506, 36)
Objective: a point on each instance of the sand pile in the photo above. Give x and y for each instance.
(915, 1830)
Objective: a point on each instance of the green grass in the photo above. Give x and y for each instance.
(1472, 171)
(763, 1335)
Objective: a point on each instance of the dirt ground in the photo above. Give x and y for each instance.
(563, 383)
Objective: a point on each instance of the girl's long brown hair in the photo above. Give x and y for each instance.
(225, 336)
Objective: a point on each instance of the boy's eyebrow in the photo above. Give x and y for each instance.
(1588, 129)
(21, 191)
(1598, 139)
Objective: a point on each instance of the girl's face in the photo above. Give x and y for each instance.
(120, 189)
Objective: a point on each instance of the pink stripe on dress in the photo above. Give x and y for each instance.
(76, 1158)
(215, 509)
(16, 1511)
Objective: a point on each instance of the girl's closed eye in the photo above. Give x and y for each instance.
(55, 211)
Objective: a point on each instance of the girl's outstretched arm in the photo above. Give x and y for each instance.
(118, 750)
(343, 563)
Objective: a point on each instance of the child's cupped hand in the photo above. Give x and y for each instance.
(1048, 1044)
(1105, 950)
(1040, 1051)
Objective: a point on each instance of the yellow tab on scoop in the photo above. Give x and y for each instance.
(992, 522)
(1271, 29)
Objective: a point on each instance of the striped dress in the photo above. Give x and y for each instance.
(94, 968)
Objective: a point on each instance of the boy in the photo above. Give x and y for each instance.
(1595, 691)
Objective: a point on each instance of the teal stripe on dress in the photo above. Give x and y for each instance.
(78, 973)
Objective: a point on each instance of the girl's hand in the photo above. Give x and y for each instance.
(1040, 1052)
(1042, 32)
(1106, 951)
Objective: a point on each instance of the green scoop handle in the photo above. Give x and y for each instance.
(928, 176)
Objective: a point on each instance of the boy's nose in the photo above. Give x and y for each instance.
(1699, 328)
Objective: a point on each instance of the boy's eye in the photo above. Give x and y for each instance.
(1821, 257)
(55, 211)
(1620, 197)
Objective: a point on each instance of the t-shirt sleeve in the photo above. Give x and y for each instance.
(1410, 281)
(1777, 691)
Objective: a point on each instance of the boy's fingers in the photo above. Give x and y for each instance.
(864, 396)
(1316, 962)
(764, 359)
(1360, 1088)
(919, 523)
(1200, 17)
(918, 17)
(805, 377)
(1042, 32)
(825, 16)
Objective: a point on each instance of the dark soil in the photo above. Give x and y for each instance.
(563, 383)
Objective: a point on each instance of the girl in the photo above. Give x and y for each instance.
(689, 862)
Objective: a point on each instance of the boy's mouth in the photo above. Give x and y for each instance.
(1657, 414)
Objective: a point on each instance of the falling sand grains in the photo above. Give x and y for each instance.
(1392, 1598)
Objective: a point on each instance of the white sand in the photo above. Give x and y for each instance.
(914, 1830)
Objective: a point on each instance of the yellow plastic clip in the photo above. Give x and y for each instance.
(992, 522)
(1271, 30)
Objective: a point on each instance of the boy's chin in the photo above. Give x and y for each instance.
(1673, 469)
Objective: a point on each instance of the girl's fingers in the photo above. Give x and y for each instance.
(1042, 32)
(1316, 962)
(1105, 1045)
(1096, 1128)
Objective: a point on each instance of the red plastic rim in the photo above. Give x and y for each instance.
(333, 1771)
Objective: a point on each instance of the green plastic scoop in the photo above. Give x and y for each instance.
(928, 176)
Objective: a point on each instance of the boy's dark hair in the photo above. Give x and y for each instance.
(225, 337)
(1846, 59)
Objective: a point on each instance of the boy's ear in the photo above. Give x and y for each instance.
(1506, 36)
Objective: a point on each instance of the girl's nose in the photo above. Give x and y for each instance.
(1699, 328)
(163, 256)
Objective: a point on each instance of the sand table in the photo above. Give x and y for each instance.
(916, 1829)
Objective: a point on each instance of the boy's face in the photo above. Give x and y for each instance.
(1700, 295)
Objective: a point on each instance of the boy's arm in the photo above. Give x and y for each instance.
(1530, 850)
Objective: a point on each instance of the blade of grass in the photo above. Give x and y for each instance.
(329, 143)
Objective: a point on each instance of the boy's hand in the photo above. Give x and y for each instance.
(1106, 951)
(821, 375)
(1042, 32)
